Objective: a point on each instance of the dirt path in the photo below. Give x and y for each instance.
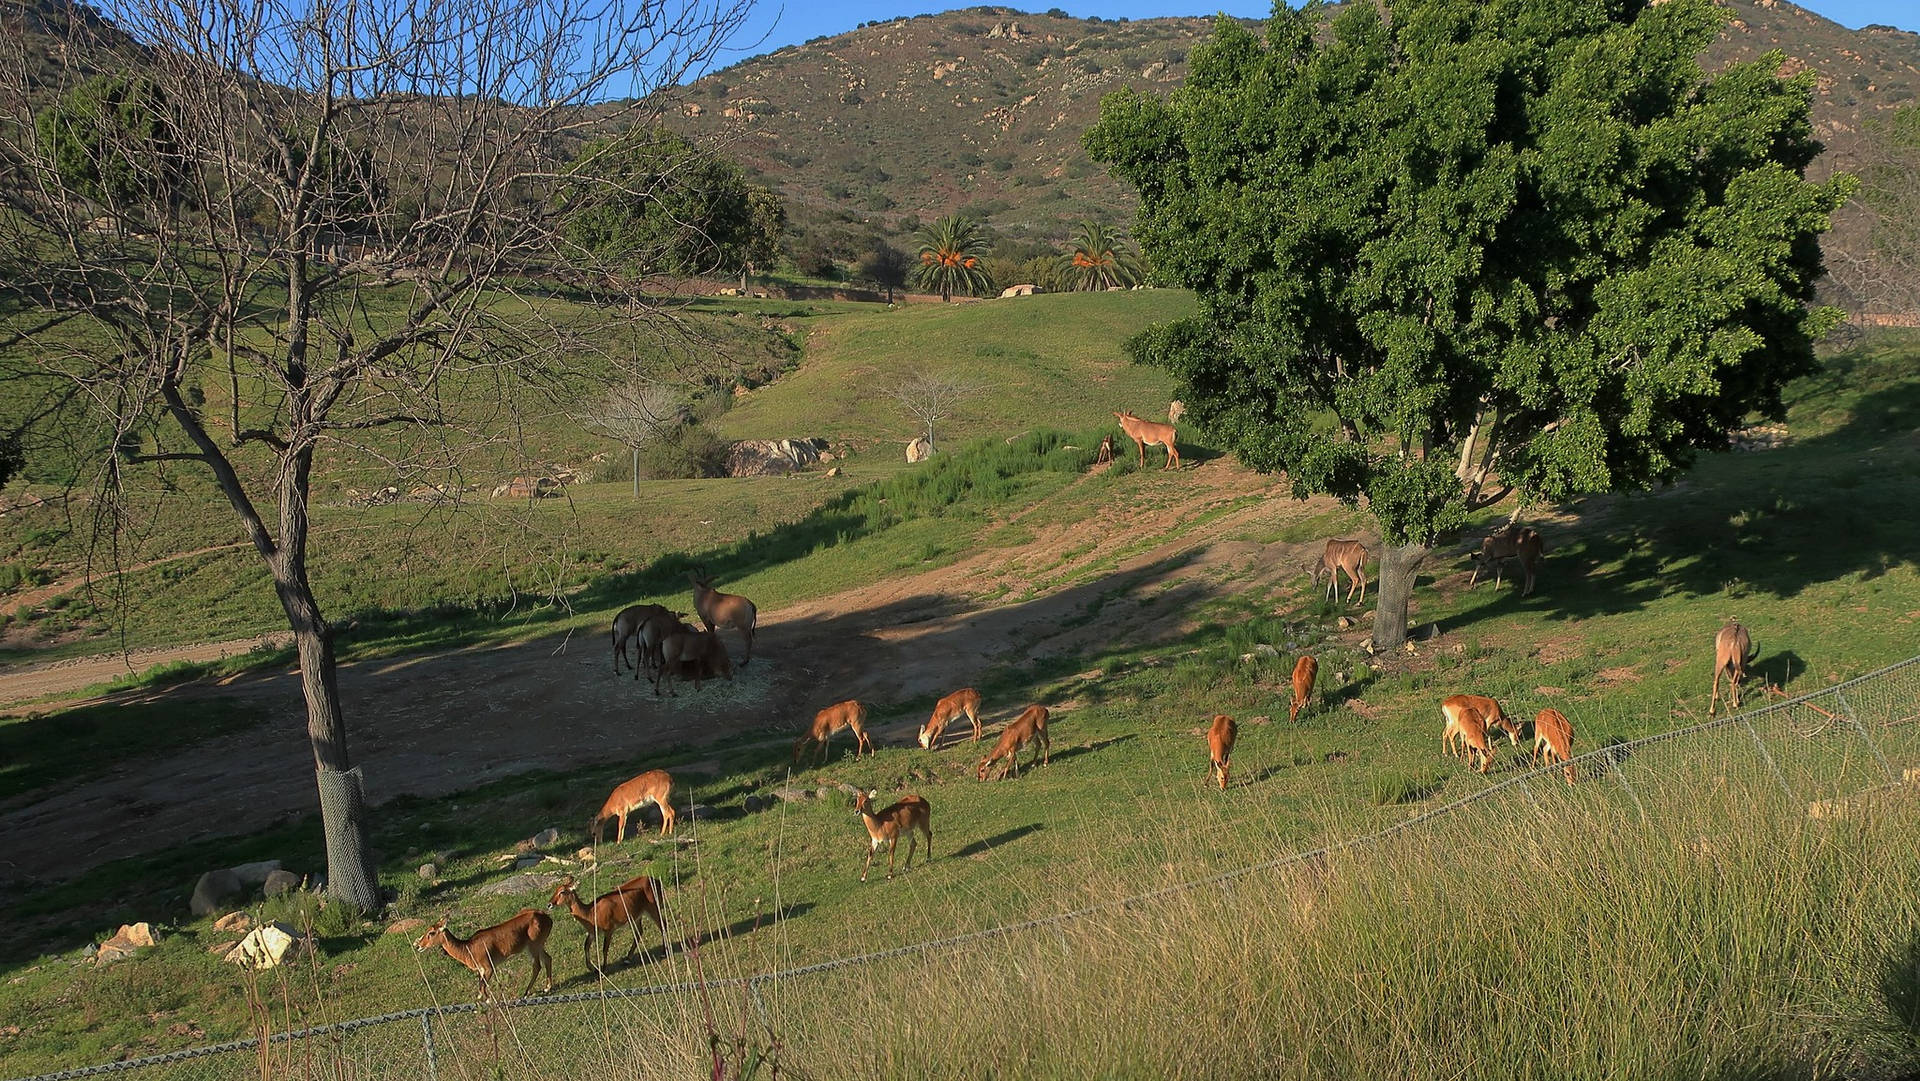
(430, 725)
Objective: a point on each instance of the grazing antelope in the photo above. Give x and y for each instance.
(1492, 716)
(1553, 740)
(654, 786)
(626, 628)
(719, 609)
(944, 711)
(1220, 737)
(1304, 671)
(1029, 727)
(1349, 556)
(849, 714)
(1465, 726)
(527, 931)
(1521, 543)
(1733, 650)
(611, 912)
(884, 827)
(1148, 434)
(696, 654)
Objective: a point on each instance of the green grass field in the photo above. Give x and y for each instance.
(1582, 932)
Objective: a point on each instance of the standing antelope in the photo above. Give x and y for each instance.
(612, 911)
(719, 609)
(1521, 543)
(944, 711)
(626, 628)
(1220, 738)
(1468, 717)
(1029, 727)
(1733, 650)
(1148, 434)
(849, 714)
(654, 786)
(1553, 740)
(528, 930)
(655, 629)
(1349, 556)
(884, 827)
(1304, 671)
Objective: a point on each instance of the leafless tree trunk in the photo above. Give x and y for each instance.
(316, 248)
(930, 398)
(637, 413)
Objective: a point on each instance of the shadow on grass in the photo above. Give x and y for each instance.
(1071, 753)
(1004, 838)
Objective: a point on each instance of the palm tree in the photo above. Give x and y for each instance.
(1097, 261)
(951, 258)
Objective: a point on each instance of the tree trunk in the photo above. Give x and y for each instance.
(1398, 568)
(636, 472)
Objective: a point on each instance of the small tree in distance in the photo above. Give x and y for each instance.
(887, 266)
(1455, 240)
(638, 413)
(930, 398)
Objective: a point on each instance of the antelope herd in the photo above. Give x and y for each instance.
(664, 648)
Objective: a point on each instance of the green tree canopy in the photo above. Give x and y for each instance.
(1455, 239)
(952, 258)
(652, 202)
(1095, 260)
(112, 141)
(886, 266)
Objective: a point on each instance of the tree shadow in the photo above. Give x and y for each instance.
(990, 843)
(1767, 523)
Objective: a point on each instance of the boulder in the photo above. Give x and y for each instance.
(428, 870)
(264, 947)
(528, 488)
(526, 882)
(919, 450)
(215, 890)
(280, 882)
(544, 839)
(772, 457)
(234, 922)
(792, 795)
(1017, 291)
(401, 927)
(255, 874)
(130, 939)
(1175, 410)
(834, 472)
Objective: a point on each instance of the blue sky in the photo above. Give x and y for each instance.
(773, 24)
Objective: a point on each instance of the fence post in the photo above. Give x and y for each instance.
(426, 1041)
(1847, 709)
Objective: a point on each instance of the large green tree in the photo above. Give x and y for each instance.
(1446, 241)
(652, 202)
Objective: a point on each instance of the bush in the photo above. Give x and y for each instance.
(691, 452)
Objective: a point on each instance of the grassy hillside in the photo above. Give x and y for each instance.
(1673, 903)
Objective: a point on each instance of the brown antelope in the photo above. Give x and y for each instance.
(1492, 716)
(885, 826)
(1304, 671)
(1220, 737)
(1350, 557)
(1520, 543)
(944, 711)
(655, 629)
(719, 609)
(612, 911)
(491, 945)
(1148, 434)
(1553, 740)
(1733, 650)
(1465, 726)
(626, 628)
(654, 786)
(1029, 727)
(696, 654)
(850, 714)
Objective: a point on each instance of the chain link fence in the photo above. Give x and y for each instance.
(1821, 749)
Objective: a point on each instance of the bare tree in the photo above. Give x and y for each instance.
(302, 226)
(638, 413)
(930, 398)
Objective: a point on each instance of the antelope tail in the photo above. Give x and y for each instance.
(1753, 645)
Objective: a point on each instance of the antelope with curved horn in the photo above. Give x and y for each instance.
(1304, 671)
(612, 911)
(719, 609)
(946, 710)
(527, 930)
(1029, 727)
(1146, 434)
(884, 827)
(1220, 739)
(851, 714)
(1733, 650)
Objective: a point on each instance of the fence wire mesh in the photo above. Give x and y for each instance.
(1817, 751)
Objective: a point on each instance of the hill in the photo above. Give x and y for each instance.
(871, 132)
